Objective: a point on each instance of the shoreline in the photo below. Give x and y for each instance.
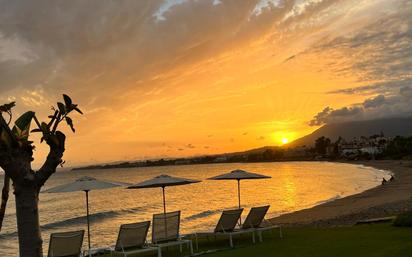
(381, 201)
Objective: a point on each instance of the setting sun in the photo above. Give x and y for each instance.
(283, 137)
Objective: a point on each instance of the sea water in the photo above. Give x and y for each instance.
(293, 186)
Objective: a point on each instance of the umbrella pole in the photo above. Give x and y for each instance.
(88, 222)
(238, 195)
(164, 201)
(164, 210)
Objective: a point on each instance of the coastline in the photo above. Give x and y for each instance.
(381, 201)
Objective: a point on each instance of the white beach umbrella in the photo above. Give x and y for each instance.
(239, 175)
(85, 184)
(163, 181)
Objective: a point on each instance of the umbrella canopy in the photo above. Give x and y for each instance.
(163, 181)
(239, 175)
(85, 184)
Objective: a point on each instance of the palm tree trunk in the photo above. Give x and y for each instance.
(4, 198)
(30, 241)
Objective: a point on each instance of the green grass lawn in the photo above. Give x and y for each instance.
(379, 240)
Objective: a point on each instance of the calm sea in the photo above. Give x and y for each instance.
(293, 186)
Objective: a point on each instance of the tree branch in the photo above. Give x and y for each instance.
(56, 144)
(4, 198)
(5, 152)
(56, 122)
(5, 126)
(10, 117)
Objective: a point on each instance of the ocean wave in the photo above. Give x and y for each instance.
(386, 172)
(9, 234)
(79, 220)
(363, 167)
(94, 217)
(336, 197)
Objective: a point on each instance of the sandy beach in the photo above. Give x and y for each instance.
(382, 201)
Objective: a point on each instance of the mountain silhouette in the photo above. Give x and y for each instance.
(348, 130)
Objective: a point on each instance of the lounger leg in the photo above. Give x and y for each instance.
(253, 238)
(180, 248)
(280, 232)
(191, 247)
(231, 240)
(197, 243)
(260, 236)
(159, 252)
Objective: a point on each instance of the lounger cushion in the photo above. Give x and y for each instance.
(228, 220)
(255, 217)
(132, 235)
(165, 227)
(66, 244)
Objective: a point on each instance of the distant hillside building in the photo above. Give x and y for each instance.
(373, 145)
(372, 150)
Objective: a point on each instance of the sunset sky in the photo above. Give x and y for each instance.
(168, 78)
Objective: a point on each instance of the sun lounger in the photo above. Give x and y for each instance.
(225, 227)
(165, 232)
(255, 219)
(66, 244)
(132, 239)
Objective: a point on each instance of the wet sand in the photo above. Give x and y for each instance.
(386, 200)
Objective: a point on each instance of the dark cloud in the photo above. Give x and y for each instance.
(406, 92)
(289, 58)
(329, 115)
(190, 146)
(381, 51)
(375, 88)
(81, 46)
(380, 106)
(87, 46)
(321, 117)
(374, 102)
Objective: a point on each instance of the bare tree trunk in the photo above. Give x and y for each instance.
(4, 198)
(27, 213)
